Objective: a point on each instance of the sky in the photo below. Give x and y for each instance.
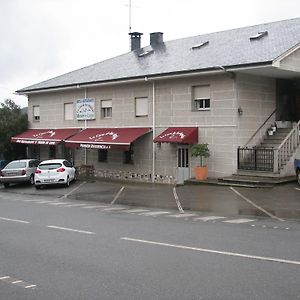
(41, 39)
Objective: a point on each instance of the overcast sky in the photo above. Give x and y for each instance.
(41, 39)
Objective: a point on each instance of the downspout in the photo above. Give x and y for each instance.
(153, 130)
(85, 126)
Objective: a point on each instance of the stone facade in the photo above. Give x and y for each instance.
(220, 126)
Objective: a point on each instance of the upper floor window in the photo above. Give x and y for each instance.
(201, 97)
(69, 111)
(106, 108)
(36, 113)
(141, 107)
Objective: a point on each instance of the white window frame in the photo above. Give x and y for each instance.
(69, 111)
(106, 109)
(202, 102)
(36, 113)
(141, 106)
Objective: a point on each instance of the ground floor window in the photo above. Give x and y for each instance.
(128, 157)
(52, 151)
(102, 155)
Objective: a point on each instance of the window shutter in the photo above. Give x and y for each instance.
(69, 112)
(141, 107)
(106, 103)
(202, 92)
(36, 111)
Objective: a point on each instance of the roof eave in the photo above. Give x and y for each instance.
(143, 78)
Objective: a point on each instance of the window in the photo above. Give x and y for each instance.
(52, 151)
(102, 155)
(36, 113)
(141, 107)
(128, 157)
(106, 108)
(201, 97)
(69, 111)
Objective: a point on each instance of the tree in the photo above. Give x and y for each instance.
(12, 122)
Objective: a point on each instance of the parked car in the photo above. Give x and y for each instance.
(3, 163)
(297, 165)
(18, 171)
(54, 171)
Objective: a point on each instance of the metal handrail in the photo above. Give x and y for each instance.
(254, 134)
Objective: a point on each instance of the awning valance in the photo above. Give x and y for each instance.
(184, 135)
(106, 138)
(44, 136)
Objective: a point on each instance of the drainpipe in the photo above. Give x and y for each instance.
(153, 130)
(85, 126)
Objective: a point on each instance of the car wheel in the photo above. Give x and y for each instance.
(31, 180)
(67, 182)
(6, 185)
(75, 176)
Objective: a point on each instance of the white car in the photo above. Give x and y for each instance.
(54, 171)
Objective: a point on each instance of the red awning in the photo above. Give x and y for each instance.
(44, 136)
(106, 138)
(185, 135)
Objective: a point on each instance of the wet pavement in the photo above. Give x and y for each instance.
(279, 202)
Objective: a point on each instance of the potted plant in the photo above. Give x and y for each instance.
(201, 151)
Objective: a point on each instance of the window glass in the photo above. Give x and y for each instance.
(102, 155)
(201, 97)
(141, 107)
(36, 113)
(128, 157)
(16, 165)
(106, 108)
(50, 166)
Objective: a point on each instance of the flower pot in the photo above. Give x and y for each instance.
(201, 173)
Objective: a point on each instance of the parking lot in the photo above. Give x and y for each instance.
(279, 203)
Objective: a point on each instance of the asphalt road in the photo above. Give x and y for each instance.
(54, 247)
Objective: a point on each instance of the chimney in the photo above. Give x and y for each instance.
(156, 38)
(135, 38)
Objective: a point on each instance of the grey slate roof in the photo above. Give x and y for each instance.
(225, 48)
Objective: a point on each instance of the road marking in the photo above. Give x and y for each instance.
(17, 281)
(4, 277)
(263, 258)
(154, 213)
(43, 202)
(255, 205)
(113, 208)
(14, 220)
(30, 286)
(59, 203)
(72, 191)
(70, 229)
(209, 218)
(297, 189)
(239, 221)
(75, 205)
(118, 195)
(135, 210)
(177, 201)
(95, 206)
(29, 200)
(184, 215)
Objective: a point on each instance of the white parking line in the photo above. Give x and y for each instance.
(113, 208)
(239, 221)
(70, 229)
(118, 195)
(177, 201)
(30, 286)
(262, 258)
(255, 205)
(297, 189)
(59, 203)
(14, 220)
(72, 191)
(154, 213)
(75, 205)
(209, 218)
(95, 206)
(184, 215)
(135, 210)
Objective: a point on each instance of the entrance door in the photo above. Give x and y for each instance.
(183, 163)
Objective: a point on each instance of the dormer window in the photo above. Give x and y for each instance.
(198, 46)
(259, 35)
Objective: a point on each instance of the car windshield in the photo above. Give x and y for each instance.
(16, 165)
(50, 166)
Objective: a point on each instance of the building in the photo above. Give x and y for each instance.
(136, 115)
